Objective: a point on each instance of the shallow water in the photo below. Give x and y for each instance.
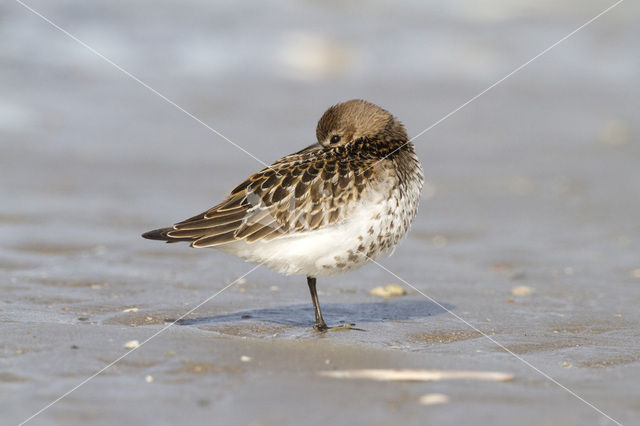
(535, 184)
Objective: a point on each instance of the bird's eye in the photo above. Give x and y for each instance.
(335, 138)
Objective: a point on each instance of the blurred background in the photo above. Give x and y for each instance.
(534, 186)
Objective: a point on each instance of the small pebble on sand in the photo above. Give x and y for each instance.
(245, 358)
(522, 290)
(148, 379)
(389, 290)
(434, 398)
(131, 310)
(132, 344)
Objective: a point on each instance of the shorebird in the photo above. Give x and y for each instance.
(328, 209)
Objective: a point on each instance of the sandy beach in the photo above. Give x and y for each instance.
(527, 238)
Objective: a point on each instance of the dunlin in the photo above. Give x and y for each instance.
(327, 209)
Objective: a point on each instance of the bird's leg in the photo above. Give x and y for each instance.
(320, 324)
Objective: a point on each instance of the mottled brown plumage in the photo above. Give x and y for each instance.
(350, 196)
(304, 191)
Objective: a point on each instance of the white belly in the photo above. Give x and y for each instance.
(373, 228)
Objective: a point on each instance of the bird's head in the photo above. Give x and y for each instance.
(356, 119)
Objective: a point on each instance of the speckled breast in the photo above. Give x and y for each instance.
(384, 219)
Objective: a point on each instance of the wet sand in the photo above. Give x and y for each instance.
(535, 185)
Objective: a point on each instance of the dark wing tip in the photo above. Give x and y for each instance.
(158, 234)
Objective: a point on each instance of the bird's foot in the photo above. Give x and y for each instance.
(320, 326)
(323, 327)
(345, 327)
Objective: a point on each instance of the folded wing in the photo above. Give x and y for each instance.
(302, 192)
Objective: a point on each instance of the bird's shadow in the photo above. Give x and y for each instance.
(302, 315)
